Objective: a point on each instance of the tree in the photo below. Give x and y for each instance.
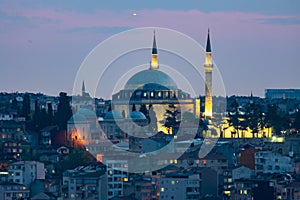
(188, 117)
(109, 108)
(171, 118)
(79, 156)
(202, 127)
(50, 114)
(152, 121)
(143, 109)
(14, 105)
(44, 119)
(234, 118)
(64, 111)
(26, 107)
(133, 108)
(278, 121)
(36, 116)
(296, 123)
(253, 118)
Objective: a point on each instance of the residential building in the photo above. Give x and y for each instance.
(12, 191)
(25, 172)
(85, 184)
(272, 162)
(180, 185)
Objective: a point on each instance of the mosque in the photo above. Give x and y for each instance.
(154, 88)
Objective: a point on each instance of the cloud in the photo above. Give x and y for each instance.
(100, 29)
(289, 20)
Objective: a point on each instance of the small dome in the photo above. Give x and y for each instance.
(77, 118)
(113, 114)
(136, 115)
(149, 76)
(89, 114)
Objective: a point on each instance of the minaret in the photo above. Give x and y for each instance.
(208, 68)
(83, 89)
(154, 60)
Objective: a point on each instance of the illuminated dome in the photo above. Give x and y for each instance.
(151, 78)
(136, 115)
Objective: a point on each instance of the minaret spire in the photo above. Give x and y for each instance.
(154, 47)
(83, 89)
(208, 68)
(154, 60)
(208, 45)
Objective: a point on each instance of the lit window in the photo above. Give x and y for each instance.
(173, 182)
(125, 179)
(227, 192)
(162, 189)
(175, 161)
(159, 94)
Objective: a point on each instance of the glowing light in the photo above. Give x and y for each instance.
(227, 192)
(125, 179)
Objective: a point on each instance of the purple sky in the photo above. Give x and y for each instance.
(255, 45)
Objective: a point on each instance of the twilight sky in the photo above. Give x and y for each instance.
(256, 44)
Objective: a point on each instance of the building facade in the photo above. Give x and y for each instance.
(25, 172)
(282, 94)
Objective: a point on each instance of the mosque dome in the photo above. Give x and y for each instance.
(113, 114)
(136, 115)
(149, 77)
(89, 114)
(77, 118)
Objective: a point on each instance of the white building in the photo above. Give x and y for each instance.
(116, 175)
(180, 186)
(271, 162)
(25, 172)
